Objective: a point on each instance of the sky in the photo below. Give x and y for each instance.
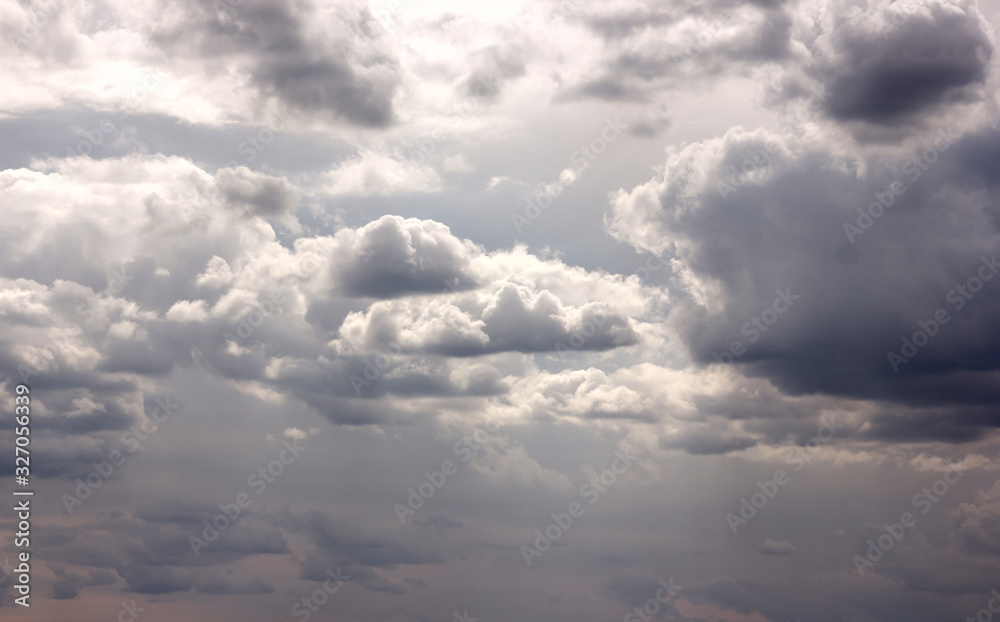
(562, 310)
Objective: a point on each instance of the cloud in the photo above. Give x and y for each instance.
(391, 257)
(978, 524)
(730, 313)
(650, 50)
(156, 579)
(256, 193)
(743, 250)
(885, 64)
(69, 583)
(495, 65)
(372, 173)
(335, 544)
(290, 51)
(505, 317)
(776, 547)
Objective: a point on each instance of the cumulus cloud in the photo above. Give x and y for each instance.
(885, 64)
(763, 233)
(392, 257)
(505, 317)
(186, 224)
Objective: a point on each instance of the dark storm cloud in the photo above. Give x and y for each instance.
(920, 57)
(323, 73)
(770, 245)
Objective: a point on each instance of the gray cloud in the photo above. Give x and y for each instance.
(776, 547)
(286, 57)
(890, 63)
(778, 233)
